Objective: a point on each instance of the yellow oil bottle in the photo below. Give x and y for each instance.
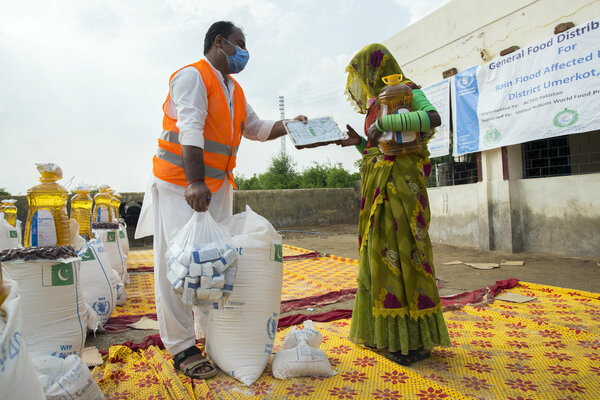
(81, 209)
(116, 203)
(102, 205)
(10, 212)
(396, 98)
(47, 219)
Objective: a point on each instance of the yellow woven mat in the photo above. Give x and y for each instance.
(140, 296)
(140, 259)
(545, 349)
(303, 278)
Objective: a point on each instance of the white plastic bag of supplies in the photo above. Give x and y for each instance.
(240, 336)
(300, 354)
(66, 378)
(202, 263)
(18, 377)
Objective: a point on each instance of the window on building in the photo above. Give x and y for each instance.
(562, 155)
(450, 171)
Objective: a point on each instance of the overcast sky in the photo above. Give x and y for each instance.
(83, 82)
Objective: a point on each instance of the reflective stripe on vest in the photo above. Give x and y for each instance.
(209, 145)
(177, 160)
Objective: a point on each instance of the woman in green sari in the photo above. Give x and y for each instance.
(397, 304)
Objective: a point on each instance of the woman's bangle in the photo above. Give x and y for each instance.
(197, 180)
(378, 125)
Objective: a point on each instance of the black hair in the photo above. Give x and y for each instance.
(223, 28)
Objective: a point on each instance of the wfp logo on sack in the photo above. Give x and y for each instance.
(277, 252)
(58, 275)
(101, 306)
(272, 326)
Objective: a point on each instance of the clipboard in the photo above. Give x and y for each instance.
(316, 132)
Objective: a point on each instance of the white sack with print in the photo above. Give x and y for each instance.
(53, 306)
(18, 377)
(97, 281)
(239, 337)
(118, 260)
(9, 235)
(66, 378)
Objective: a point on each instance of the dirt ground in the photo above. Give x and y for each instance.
(546, 269)
(341, 240)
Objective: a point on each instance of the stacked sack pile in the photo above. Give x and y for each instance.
(45, 277)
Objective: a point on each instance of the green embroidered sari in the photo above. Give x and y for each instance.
(397, 304)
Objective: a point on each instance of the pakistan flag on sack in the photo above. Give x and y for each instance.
(58, 275)
(277, 252)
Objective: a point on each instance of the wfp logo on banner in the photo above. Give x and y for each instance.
(58, 275)
(466, 82)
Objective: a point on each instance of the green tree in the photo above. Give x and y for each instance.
(314, 177)
(338, 177)
(3, 192)
(281, 173)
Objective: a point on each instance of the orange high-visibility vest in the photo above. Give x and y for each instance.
(221, 138)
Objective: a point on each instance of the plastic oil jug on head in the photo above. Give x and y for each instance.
(116, 203)
(47, 219)
(81, 209)
(102, 205)
(396, 98)
(10, 211)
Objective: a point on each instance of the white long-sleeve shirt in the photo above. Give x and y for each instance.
(188, 104)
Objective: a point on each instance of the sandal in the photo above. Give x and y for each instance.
(191, 363)
(412, 357)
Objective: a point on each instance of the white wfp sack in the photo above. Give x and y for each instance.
(202, 264)
(18, 377)
(300, 354)
(239, 337)
(123, 239)
(9, 235)
(67, 378)
(97, 281)
(54, 309)
(118, 260)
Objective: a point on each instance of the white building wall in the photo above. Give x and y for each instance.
(558, 215)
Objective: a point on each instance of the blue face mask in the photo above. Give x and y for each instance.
(237, 62)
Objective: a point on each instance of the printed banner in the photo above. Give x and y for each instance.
(548, 89)
(439, 96)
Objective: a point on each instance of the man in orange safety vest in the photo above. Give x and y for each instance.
(205, 117)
